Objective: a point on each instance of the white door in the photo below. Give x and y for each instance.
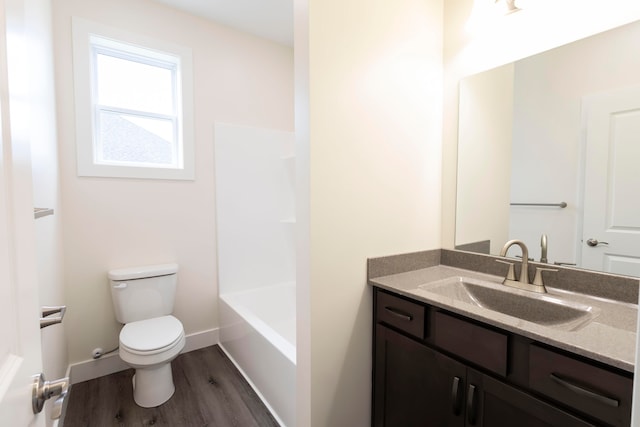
(20, 352)
(611, 221)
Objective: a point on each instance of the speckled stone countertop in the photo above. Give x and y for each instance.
(609, 338)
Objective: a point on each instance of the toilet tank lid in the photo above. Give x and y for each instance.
(143, 272)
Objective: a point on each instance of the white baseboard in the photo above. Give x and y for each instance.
(111, 363)
(201, 339)
(264, 400)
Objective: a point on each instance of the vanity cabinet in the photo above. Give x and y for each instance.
(434, 368)
(414, 384)
(499, 404)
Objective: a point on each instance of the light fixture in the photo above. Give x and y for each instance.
(507, 6)
(489, 15)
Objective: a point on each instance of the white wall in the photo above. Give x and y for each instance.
(370, 81)
(548, 145)
(545, 113)
(111, 223)
(485, 134)
(494, 41)
(255, 213)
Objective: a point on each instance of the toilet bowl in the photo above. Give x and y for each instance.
(149, 346)
(151, 337)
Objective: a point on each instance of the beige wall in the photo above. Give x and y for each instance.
(370, 146)
(469, 49)
(111, 223)
(372, 163)
(372, 160)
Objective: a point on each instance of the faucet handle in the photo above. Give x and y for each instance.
(511, 274)
(537, 279)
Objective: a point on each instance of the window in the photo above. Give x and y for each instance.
(133, 105)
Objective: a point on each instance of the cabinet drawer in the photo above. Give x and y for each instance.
(400, 313)
(588, 388)
(482, 346)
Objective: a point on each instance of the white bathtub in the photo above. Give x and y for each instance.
(258, 333)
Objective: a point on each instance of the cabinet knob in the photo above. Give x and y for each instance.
(583, 391)
(456, 395)
(399, 313)
(472, 406)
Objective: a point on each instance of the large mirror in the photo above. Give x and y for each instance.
(549, 150)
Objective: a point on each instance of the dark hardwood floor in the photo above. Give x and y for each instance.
(209, 392)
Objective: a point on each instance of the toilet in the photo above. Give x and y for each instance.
(151, 338)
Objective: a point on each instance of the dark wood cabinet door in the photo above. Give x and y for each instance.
(518, 382)
(588, 388)
(415, 386)
(492, 403)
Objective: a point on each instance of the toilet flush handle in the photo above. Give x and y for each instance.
(120, 286)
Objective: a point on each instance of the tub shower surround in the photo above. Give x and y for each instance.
(259, 335)
(256, 260)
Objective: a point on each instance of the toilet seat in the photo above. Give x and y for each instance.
(151, 336)
(153, 381)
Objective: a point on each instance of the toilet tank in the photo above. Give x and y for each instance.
(141, 293)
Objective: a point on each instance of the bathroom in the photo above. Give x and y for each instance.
(374, 105)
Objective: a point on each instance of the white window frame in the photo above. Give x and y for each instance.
(88, 34)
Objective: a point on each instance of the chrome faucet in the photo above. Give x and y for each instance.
(524, 271)
(523, 282)
(543, 249)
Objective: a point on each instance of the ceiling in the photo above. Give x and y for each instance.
(271, 19)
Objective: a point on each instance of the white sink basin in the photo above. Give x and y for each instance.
(543, 309)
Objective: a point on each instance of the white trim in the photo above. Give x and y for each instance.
(111, 363)
(8, 370)
(82, 32)
(202, 339)
(253, 386)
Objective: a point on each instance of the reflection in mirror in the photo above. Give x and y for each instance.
(550, 146)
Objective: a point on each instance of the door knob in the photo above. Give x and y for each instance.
(44, 390)
(595, 242)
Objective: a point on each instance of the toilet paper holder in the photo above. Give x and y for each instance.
(47, 311)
